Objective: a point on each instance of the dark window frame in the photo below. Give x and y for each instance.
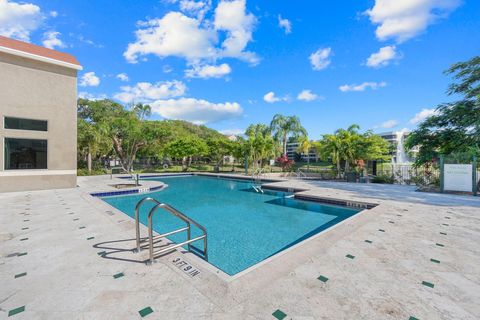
(22, 169)
(39, 121)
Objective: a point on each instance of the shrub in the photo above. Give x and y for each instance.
(383, 179)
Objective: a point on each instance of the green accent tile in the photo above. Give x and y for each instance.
(444, 233)
(118, 275)
(428, 284)
(23, 239)
(22, 254)
(90, 238)
(381, 230)
(368, 241)
(279, 314)
(323, 278)
(440, 245)
(81, 227)
(349, 256)
(25, 228)
(412, 318)
(101, 253)
(435, 260)
(16, 310)
(145, 311)
(445, 224)
(20, 275)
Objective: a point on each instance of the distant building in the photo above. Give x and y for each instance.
(38, 117)
(397, 139)
(292, 150)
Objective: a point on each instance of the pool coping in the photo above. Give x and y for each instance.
(296, 191)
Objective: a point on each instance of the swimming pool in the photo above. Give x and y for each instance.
(244, 227)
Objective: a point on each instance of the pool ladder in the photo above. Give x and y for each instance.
(153, 239)
(257, 181)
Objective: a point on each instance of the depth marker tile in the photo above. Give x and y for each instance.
(20, 275)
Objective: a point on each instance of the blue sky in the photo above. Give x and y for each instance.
(228, 64)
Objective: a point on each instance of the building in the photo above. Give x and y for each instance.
(38, 115)
(292, 150)
(396, 139)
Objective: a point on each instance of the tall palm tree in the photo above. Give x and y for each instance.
(285, 126)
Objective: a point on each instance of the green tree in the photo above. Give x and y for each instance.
(91, 142)
(126, 131)
(142, 111)
(285, 126)
(186, 147)
(455, 126)
(304, 147)
(219, 148)
(260, 144)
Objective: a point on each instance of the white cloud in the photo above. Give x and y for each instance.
(307, 95)
(422, 115)
(17, 20)
(383, 57)
(232, 17)
(196, 8)
(178, 35)
(173, 35)
(232, 132)
(145, 91)
(285, 24)
(89, 79)
(270, 97)
(208, 71)
(196, 110)
(51, 40)
(123, 77)
(405, 19)
(320, 58)
(91, 96)
(53, 14)
(362, 87)
(388, 124)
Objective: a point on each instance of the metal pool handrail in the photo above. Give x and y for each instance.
(151, 238)
(187, 220)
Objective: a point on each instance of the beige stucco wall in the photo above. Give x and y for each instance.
(36, 90)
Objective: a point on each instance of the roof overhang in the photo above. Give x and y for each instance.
(32, 56)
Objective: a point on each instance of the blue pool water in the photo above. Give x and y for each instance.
(244, 227)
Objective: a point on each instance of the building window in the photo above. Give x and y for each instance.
(25, 154)
(25, 124)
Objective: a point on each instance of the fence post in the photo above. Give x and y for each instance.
(442, 173)
(474, 175)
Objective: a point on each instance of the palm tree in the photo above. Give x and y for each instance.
(331, 147)
(142, 110)
(284, 126)
(349, 140)
(260, 144)
(304, 148)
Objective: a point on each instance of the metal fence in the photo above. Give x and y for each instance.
(408, 174)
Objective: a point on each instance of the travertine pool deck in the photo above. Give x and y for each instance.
(64, 255)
